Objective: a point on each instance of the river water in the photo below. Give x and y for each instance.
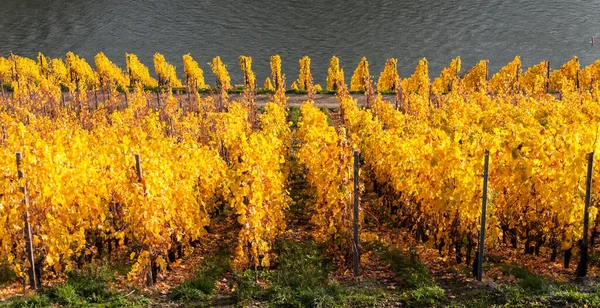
(408, 30)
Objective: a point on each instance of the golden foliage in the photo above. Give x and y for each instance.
(249, 77)
(361, 76)
(138, 72)
(388, 79)
(167, 75)
(193, 73)
(305, 77)
(333, 74)
(220, 71)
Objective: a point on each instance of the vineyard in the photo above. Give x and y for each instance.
(105, 163)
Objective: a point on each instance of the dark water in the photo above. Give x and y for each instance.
(408, 30)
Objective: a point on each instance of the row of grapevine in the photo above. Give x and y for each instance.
(428, 167)
(327, 156)
(85, 197)
(256, 178)
(75, 74)
(89, 198)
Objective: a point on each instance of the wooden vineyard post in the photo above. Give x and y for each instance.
(28, 237)
(577, 75)
(582, 268)
(356, 259)
(548, 77)
(483, 213)
(189, 92)
(157, 98)
(516, 84)
(138, 170)
(138, 167)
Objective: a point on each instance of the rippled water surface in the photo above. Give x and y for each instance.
(408, 30)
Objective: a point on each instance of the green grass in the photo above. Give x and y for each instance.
(292, 91)
(574, 298)
(328, 92)
(530, 290)
(410, 271)
(417, 285)
(202, 283)
(264, 91)
(368, 293)
(90, 286)
(553, 295)
(33, 301)
(425, 297)
(527, 280)
(302, 279)
(87, 287)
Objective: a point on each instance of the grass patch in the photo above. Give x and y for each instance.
(425, 297)
(554, 295)
(90, 284)
(299, 192)
(301, 279)
(415, 278)
(33, 301)
(202, 283)
(327, 92)
(368, 294)
(527, 280)
(511, 293)
(264, 91)
(530, 291)
(573, 298)
(412, 273)
(86, 287)
(292, 91)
